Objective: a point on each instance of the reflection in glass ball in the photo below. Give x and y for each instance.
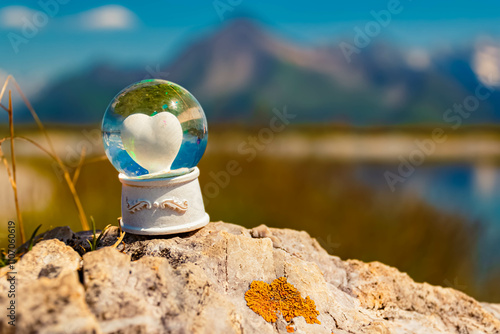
(154, 128)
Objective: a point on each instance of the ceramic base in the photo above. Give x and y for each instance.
(162, 206)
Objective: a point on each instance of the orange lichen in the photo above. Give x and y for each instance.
(290, 329)
(280, 296)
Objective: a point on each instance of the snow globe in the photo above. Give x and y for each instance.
(155, 133)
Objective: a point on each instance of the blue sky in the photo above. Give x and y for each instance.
(147, 33)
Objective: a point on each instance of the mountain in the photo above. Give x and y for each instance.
(240, 73)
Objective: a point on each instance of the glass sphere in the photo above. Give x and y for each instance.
(154, 128)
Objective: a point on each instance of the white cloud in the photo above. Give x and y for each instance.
(15, 16)
(111, 17)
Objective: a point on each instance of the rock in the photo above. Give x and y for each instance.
(196, 283)
(61, 233)
(262, 231)
(48, 258)
(492, 308)
(55, 306)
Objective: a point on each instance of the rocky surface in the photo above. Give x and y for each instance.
(196, 282)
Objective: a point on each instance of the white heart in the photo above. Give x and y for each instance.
(152, 141)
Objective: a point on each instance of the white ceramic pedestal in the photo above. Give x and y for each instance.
(163, 205)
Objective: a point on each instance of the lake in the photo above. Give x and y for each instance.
(441, 225)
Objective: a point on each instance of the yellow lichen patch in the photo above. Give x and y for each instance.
(280, 296)
(260, 299)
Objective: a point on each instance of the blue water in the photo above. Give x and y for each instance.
(469, 190)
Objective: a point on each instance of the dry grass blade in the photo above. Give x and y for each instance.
(67, 177)
(80, 164)
(4, 87)
(120, 239)
(31, 141)
(76, 199)
(13, 179)
(96, 159)
(96, 239)
(6, 164)
(103, 232)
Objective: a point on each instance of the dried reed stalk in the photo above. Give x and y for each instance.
(50, 151)
(13, 161)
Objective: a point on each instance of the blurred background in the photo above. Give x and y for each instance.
(372, 125)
